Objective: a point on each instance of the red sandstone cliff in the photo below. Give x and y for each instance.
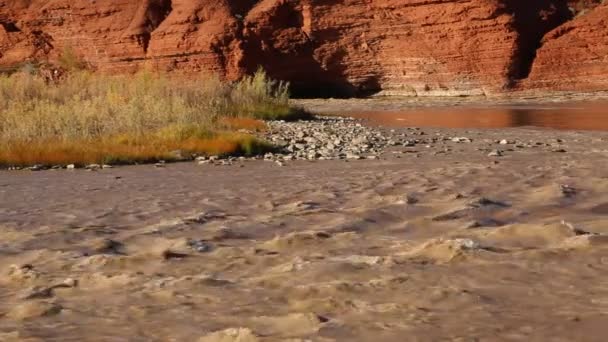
(329, 47)
(574, 56)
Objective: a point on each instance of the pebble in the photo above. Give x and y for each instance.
(461, 140)
(466, 244)
(567, 190)
(410, 199)
(200, 246)
(495, 153)
(69, 282)
(106, 246)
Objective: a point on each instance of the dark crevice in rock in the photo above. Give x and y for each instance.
(240, 8)
(532, 21)
(143, 40)
(41, 41)
(156, 12)
(10, 26)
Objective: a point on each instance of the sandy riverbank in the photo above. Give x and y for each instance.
(424, 244)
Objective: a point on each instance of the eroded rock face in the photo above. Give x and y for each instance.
(328, 47)
(574, 56)
(123, 35)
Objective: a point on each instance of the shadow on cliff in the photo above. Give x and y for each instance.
(308, 77)
(313, 79)
(278, 40)
(335, 89)
(532, 20)
(150, 14)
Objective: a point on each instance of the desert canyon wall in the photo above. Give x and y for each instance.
(328, 47)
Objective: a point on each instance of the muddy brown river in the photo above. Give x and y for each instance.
(564, 117)
(432, 242)
(561, 115)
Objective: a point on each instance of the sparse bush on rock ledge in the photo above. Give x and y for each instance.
(90, 118)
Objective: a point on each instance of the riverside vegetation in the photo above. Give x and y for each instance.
(89, 118)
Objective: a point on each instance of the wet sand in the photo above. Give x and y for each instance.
(425, 244)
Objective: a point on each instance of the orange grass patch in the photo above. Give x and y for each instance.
(125, 150)
(243, 123)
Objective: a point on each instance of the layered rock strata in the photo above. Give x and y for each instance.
(328, 47)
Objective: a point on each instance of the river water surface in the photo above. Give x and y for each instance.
(562, 116)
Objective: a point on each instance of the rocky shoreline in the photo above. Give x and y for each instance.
(328, 138)
(345, 138)
(323, 138)
(348, 139)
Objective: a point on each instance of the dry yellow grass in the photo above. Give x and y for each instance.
(129, 119)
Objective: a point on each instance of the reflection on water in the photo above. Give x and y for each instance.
(574, 117)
